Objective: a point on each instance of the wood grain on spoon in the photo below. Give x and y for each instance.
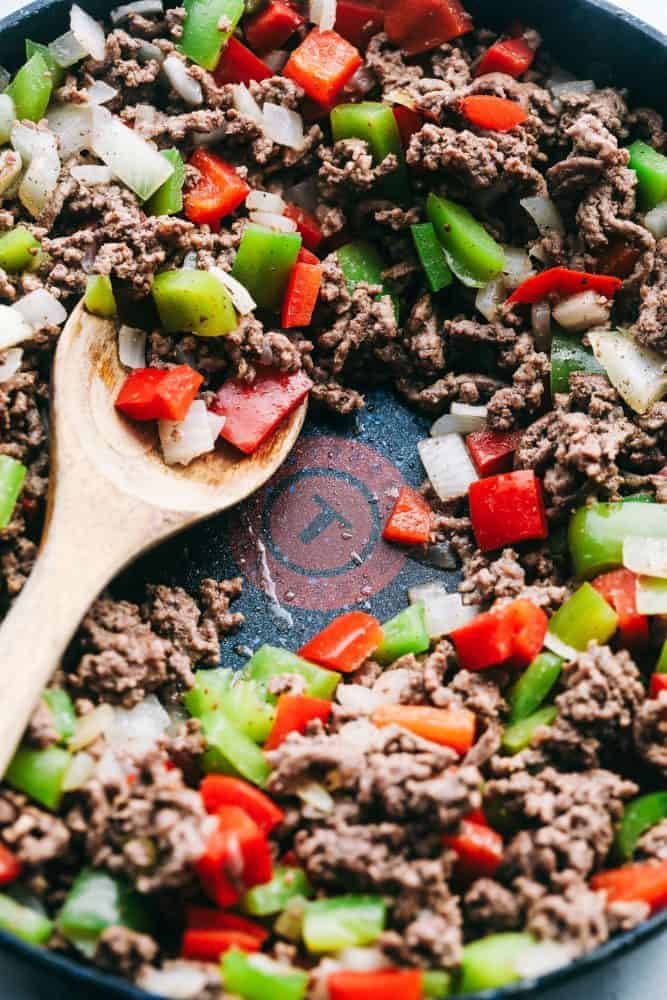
(111, 497)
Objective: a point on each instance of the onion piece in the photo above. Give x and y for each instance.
(391, 685)
(582, 311)
(572, 87)
(646, 556)
(448, 465)
(132, 347)
(188, 89)
(283, 126)
(461, 419)
(39, 182)
(142, 7)
(73, 125)
(10, 363)
(323, 14)
(7, 117)
(265, 201)
(362, 959)
(489, 298)
(279, 223)
(177, 980)
(13, 328)
(90, 727)
(239, 294)
(137, 729)
(544, 213)
(150, 53)
(132, 159)
(540, 320)
(517, 267)
(100, 92)
(358, 698)
(636, 372)
(651, 595)
(88, 32)
(216, 421)
(444, 611)
(402, 97)
(656, 220)
(542, 958)
(81, 769)
(67, 50)
(40, 309)
(11, 166)
(560, 648)
(184, 440)
(246, 104)
(315, 795)
(91, 175)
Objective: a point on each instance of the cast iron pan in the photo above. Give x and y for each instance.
(315, 529)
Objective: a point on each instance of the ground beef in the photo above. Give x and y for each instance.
(653, 843)
(487, 580)
(41, 732)
(575, 918)
(348, 165)
(650, 731)
(652, 320)
(124, 952)
(490, 907)
(33, 835)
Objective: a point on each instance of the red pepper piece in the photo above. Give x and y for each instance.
(219, 790)
(492, 451)
(529, 627)
(237, 856)
(486, 641)
(506, 509)
(479, 849)
(512, 56)
(477, 816)
(358, 22)
(563, 282)
(449, 727)
(644, 882)
(294, 713)
(209, 945)
(272, 27)
(424, 24)
(203, 918)
(301, 294)
(408, 122)
(658, 684)
(239, 65)
(345, 642)
(218, 192)
(620, 258)
(254, 411)
(493, 113)
(322, 65)
(410, 520)
(10, 866)
(306, 257)
(382, 984)
(307, 224)
(619, 588)
(157, 394)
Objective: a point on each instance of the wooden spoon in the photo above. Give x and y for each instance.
(111, 497)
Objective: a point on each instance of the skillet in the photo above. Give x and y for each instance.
(309, 544)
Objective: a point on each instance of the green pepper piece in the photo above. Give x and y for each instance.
(534, 685)
(62, 712)
(230, 751)
(596, 533)
(99, 299)
(404, 633)
(193, 301)
(568, 355)
(519, 735)
(343, 922)
(638, 817)
(12, 476)
(436, 984)
(584, 616)
(472, 254)
(431, 256)
(17, 250)
(273, 896)
(25, 923)
(264, 262)
(96, 901)
(491, 961)
(31, 89)
(375, 123)
(360, 261)
(39, 774)
(257, 977)
(661, 667)
(57, 72)
(651, 169)
(240, 699)
(202, 39)
(168, 199)
(271, 661)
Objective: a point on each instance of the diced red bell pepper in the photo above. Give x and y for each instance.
(449, 727)
(644, 882)
(301, 294)
(306, 257)
(507, 508)
(219, 790)
(562, 282)
(358, 22)
(322, 65)
(239, 65)
(203, 918)
(425, 24)
(209, 945)
(293, 714)
(513, 634)
(479, 849)
(620, 258)
(492, 451)
(477, 816)
(237, 856)
(380, 984)
(529, 627)
(410, 520)
(159, 394)
(307, 224)
(658, 684)
(272, 27)
(408, 122)
(512, 56)
(496, 114)
(218, 192)
(345, 642)
(254, 411)
(10, 866)
(619, 588)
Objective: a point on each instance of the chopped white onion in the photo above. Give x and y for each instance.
(90, 727)
(67, 50)
(246, 104)
(91, 175)
(391, 685)
(278, 223)
(541, 958)
(40, 181)
(283, 126)
(448, 465)
(358, 698)
(444, 611)
(73, 124)
(323, 14)
(265, 201)
(188, 89)
(100, 92)
(150, 53)
(651, 595)
(177, 980)
(544, 214)
(656, 220)
(88, 32)
(402, 97)
(81, 769)
(360, 734)
(582, 312)
(184, 440)
(119, 14)
(132, 159)
(637, 373)
(363, 960)
(137, 729)
(276, 60)
(489, 298)
(517, 267)
(30, 141)
(646, 556)
(7, 117)
(238, 293)
(573, 87)
(132, 347)
(40, 309)
(13, 328)
(216, 421)
(461, 419)
(10, 362)
(315, 795)
(560, 648)
(10, 171)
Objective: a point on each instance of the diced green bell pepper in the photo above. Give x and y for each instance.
(168, 199)
(491, 961)
(651, 169)
(473, 255)
(361, 261)
(534, 685)
(584, 616)
(39, 774)
(202, 39)
(436, 984)
(596, 533)
(57, 72)
(193, 301)
(17, 250)
(431, 256)
(12, 477)
(639, 498)
(257, 977)
(31, 89)
(661, 667)
(96, 901)
(519, 735)
(264, 262)
(62, 712)
(343, 922)
(375, 123)
(230, 751)
(240, 699)
(273, 896)
(404, 633)
(271, 661)
(638, 817)
(569, 355)
(25, 923)
(99, 299)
